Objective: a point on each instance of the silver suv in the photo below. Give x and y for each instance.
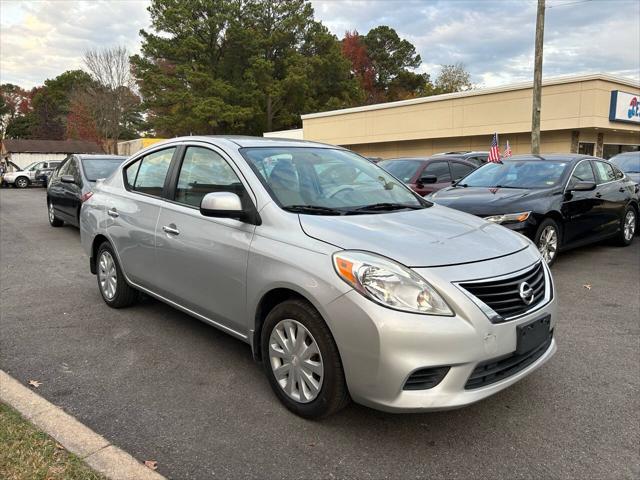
(345, 283)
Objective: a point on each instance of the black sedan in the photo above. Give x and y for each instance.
(558, 201)
(72, 184)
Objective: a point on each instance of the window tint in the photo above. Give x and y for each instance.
(582, 173)
(148, 174)
(604, 172)
(204, 171)
(459, 170)
(440, 170)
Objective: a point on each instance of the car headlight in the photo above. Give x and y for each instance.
(389, 283)
(508, 217)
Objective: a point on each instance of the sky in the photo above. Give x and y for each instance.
(40, 39)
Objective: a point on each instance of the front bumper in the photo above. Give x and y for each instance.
(381, 348)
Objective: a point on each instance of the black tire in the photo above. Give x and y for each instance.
(333, 394)
(21, 182)
(53, 220)
(621, 237)
(124, 294)
(543, 228)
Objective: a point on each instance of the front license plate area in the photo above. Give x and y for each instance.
(532, 334)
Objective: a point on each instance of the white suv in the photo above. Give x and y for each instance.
(27, 176)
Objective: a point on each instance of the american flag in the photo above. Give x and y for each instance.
(494, 152)
(507, 151)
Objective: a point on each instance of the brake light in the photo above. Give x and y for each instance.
(86, 196)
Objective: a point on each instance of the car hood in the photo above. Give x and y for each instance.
(430, 237)
(487, 201)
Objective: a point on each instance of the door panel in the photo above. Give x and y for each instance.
(581, 210)
(612, 197)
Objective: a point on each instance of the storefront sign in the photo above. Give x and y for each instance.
(625, 107)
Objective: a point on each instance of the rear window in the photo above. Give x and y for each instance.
(95, 168)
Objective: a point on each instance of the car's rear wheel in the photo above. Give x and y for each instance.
(22, 182)
(53, 220)
(114, 289)
(301, 360)
(547, 240)
(628, 226)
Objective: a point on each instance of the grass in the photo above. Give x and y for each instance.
(26, 453)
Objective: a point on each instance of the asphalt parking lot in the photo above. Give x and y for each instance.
(167, 387)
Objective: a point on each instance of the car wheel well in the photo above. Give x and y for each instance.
(267, 303)
(97, 241)
(556, 217)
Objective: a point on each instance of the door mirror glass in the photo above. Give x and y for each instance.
(583, 186)
(68, 179)
(221, 204)
(428, 179)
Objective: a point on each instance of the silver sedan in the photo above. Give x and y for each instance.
(345, 283)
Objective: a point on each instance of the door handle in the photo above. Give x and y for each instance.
(113, 213)
(598, 195)
(621, 190)
(171, 230)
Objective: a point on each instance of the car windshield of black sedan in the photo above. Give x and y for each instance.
(325, 181)
(405, 170)
(95, 168)
(516, 174)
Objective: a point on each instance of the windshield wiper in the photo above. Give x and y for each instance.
(504, 186)
(313, 210)
(387, 207)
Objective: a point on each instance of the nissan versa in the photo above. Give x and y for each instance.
(346, 284)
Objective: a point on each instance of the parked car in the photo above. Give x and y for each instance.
(477, 158)
(27, 176)
(345, 286)
(629, 163)
(73, 183)
(427, 175)
(43, 174)
(558, 201)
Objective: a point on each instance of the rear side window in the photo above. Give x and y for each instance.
(440, 170)
(618, 173)
(604, 172)
(204, 171)
(459, 170)
(148, 174)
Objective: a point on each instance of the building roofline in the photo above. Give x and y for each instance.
(480, 91)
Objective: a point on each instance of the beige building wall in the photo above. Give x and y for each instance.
(467, 120)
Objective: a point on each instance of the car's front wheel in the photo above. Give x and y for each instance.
(302, 361)
(22, 182)
(53, 220)
(547, 240)
(113, 287)
(628, 226)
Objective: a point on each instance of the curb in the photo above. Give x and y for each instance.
(93, 449)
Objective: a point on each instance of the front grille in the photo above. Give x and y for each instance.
(425, 378)
(503, 296)
(495, 370)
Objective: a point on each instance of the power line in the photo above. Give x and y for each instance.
(567, 4)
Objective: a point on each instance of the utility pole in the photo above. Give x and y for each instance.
(537, 80)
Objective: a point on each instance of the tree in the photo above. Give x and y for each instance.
(238, 66)
(453, 78)
(109, 96)
(354, 49)
(14, 102)
(22, 126)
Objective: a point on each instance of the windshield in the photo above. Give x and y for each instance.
(405, 170)
(627, 162)
(520, 174)
(30, 166)
(95, 168)
(327, 181)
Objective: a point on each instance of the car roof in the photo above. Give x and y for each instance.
(429, 159)
(102, 156)
(245, 141)
(562, 157)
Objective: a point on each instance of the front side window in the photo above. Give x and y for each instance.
(517, 174)
(582, 173)
(460, 170)
(204, 171)
(440, 170)
(405, 170)
(327, 181)
(604, 172)
(148, 174)
(73, 170)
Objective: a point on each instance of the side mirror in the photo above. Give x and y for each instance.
(428, 179)
(68, 179)
(583, 187)
(226, 205)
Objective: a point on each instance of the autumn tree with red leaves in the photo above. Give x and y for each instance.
(354, 49)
